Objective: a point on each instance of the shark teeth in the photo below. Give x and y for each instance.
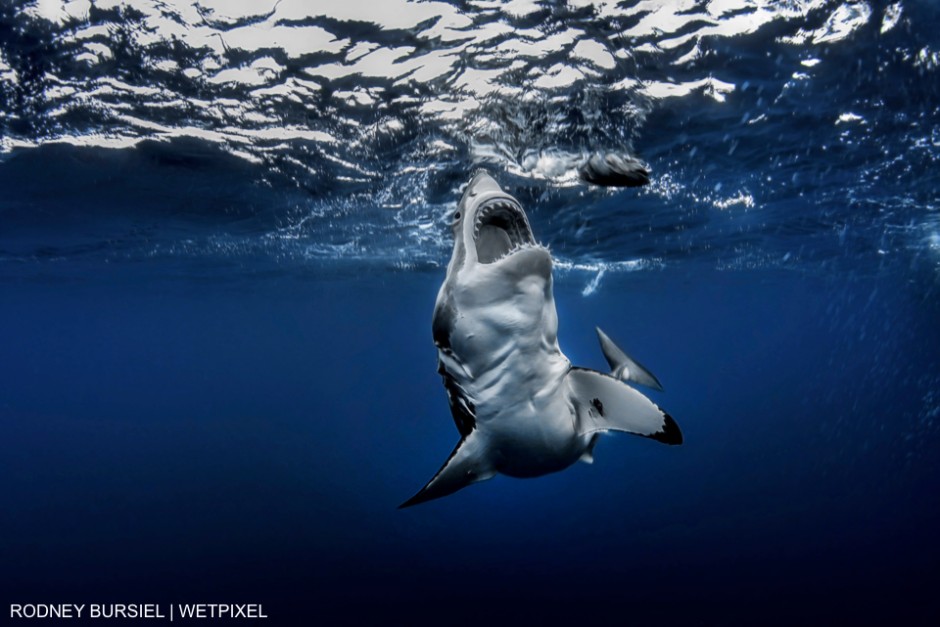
(511, 219)
(488, 210)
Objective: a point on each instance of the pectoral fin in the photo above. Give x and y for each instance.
(467, 464)
(604, 403)
(623, 366)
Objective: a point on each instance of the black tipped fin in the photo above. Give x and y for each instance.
(671, 434)
(605, 403)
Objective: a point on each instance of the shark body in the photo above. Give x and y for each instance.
(521, 408)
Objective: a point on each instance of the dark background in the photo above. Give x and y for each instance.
(168, 440)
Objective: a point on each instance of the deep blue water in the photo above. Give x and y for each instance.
(218, 265)
(195, 440)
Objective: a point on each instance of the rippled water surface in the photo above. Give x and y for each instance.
(801, 134)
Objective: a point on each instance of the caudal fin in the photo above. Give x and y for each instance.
(466, 465)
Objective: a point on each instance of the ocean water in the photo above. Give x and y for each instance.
(222, 230)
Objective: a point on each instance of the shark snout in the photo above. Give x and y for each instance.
(481, 182)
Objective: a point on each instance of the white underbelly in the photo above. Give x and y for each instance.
(528, 421)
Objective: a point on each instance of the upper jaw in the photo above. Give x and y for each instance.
(496, 225)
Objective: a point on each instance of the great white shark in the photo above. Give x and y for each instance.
(521, 408)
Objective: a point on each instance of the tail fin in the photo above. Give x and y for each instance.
(466, 465)
(624, 367)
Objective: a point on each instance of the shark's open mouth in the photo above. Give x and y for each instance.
(500, 229)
